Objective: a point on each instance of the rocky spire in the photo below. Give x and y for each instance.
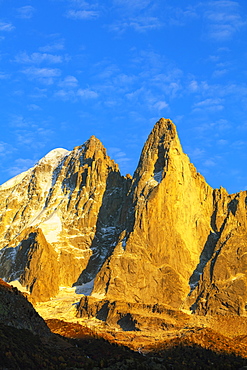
(171, 211)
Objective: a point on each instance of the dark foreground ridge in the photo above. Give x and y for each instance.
(21, 349)
(77, 347)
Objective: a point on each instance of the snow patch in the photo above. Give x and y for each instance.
(54, 157)
(51, 228)
(15, 180)
(158, 176)
(108, 230)
(12, 251)
(86, 288)
(124, 243)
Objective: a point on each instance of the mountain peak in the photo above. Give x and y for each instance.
(54, 156)
(164, 131)
(157, 150)
(157, 238)
(162, 126)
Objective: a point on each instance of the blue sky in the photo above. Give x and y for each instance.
(70, 69)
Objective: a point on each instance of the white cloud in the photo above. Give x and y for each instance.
(87, 94)
(195, 153)
(224, 19)
(193, 86)
(38, 58)
(73, 95)
(83, 14)
(239, 144)
(209, 163)
(212, 104)
(221, 125)
(20, 165)
(160, 105)
(119, 157)
(39, 93)
(33, 136)
(220, 72)
(33, 107)
(83, 4)
(4, 76)
(19, 121)
(53, 46)
(66, 94)
(133, 5)
(222, 142)
(6, 26)
(26, 12)
(44, 75)
(180, 17)
(69, 82)
(139, 24)
(5, 149)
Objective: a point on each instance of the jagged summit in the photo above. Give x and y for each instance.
(162, 142)
(162, 237)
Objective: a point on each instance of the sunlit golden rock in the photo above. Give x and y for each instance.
(162, 237)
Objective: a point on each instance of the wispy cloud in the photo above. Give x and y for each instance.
(223, 18)
(210, 162)
(26, 12)
(132, 5)
(160, 105)
(83, 14)
(4, 76)
(209, 104)
(180, 17)
(53, 46)
(44, 75)
(5, 149)
(153, 83)
(222, 142)
(34, 137)
(139, 24)
(39, 93)
(193, 86)
(140, 16)
(238, 145)
(83, 4)
(220, 72)
(34, 107)
(83, 10)
(87, 94)
(6, 26)
(69, 82)
(18, 121)
(195, 153)
(38, 58)
(75, 94)
(215, 127)
(120, 157)
(20, 165)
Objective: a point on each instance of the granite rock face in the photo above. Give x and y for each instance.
(223, 285)
(171, 214)
(60, 220)
(163, 237)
